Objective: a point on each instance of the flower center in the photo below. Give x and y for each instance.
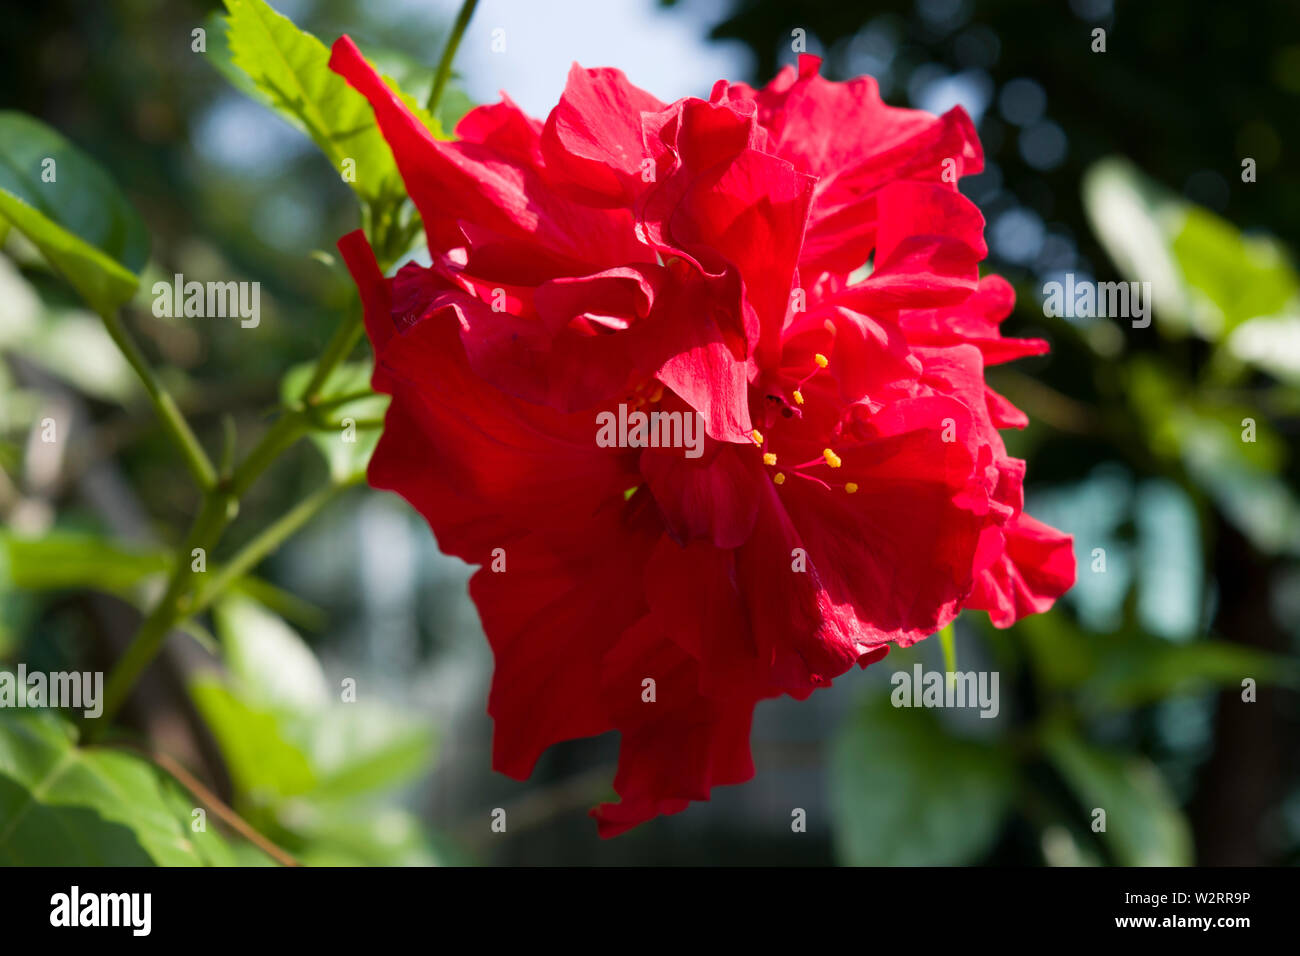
(813, 470)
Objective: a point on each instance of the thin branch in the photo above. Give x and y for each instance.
(267, 541)
(449, 52)
(225, 813)
(196, 459)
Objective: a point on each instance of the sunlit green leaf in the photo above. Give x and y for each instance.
(264, 766)
(1241, 277)
(1206, 275)
(93, 806)
(268, 660)
(289, 69)
(307, 765)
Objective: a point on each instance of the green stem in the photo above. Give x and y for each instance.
(449, 52)
(949, 644)
(211, 520)
(339, 347)
(220, 505)
(281, 436)
(335, 401)
(221, 495)
(267, 540)
(196, 459)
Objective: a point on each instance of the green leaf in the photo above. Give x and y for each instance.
(904, 792)
(386, 837)
(81, 223)
(93, 806)
(415, 78)
(312, 771)
(65, 559)
(346, 459)
(264, 766)
(1061, 653)
(271, 665)
(1269, 343)
(361, 750)
(1135, 219)
(1131, 668)
(1207, 276)
(1136, 672)
(277, 692)
(74, 345)
(74, 559)
(1144, 827)
(1242, 277)
(290, 70)
(1242, 476)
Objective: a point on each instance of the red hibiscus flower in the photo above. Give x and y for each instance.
(796, 266)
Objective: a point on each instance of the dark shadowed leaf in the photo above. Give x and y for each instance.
(905, 792)
(1144, 827)
(71, 211)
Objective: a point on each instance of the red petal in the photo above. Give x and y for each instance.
(1036, 568)
(713, 497)
(677, 748)
(551, 616)
(498, 189)
(592, 141)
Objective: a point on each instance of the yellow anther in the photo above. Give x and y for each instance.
(851, 488)
(658, 394)
(779, 478)
(832, 459)
(798, 397)
(769, 459)
(821, 360)
(757, 436)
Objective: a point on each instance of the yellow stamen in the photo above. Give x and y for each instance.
(658, 394)
(851, 488)
(757, 436)
(769, 459)
(798, 397)
(821, 360)
(780, 478)
(832, 459)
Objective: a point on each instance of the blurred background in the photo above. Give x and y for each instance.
(1119, 163)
